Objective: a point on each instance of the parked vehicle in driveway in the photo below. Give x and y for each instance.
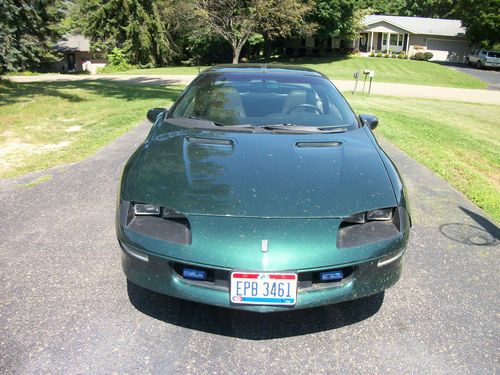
(481, 58)
(260, 189)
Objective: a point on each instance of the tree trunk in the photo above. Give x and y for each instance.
(268, 47)
(236, 54)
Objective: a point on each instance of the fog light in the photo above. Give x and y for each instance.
(191, 273)
(331, 275)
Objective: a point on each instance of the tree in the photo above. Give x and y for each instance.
(279, 19)
(481, 19)
(237, 20)
(390, 8)
(338, 18)
(412, 8)
(429, 8)
(135, 26)
(27, 33)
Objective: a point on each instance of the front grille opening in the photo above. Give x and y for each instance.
(310, 279)
(214, 277)
(179, 269)
(346, 272)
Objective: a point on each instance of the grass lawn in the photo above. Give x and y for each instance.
(386, 70)
(459, 141)
(53, 123)
(48, 124)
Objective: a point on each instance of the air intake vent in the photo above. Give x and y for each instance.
(318, 144)
(210, 141)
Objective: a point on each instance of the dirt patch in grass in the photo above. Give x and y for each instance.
(47, 124)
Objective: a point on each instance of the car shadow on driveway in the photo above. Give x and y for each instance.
(485, 234)
(250, 325)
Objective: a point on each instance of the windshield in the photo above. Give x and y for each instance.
(265, 99)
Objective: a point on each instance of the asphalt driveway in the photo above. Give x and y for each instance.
(490, 76)
(65, 306)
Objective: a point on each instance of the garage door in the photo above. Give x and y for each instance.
(448, 50)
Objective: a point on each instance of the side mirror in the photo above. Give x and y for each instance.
(153, 113)
(369, 120)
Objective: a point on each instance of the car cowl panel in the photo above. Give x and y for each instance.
(239, 174)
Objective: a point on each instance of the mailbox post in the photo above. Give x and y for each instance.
(356, 77)
(366, 72)
(371, 75)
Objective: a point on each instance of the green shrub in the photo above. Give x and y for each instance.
(380, 54)
(394, 56)
(428, 56)
(422, 56)
(387, 56)
(372, 54)
(419, 56)
(117, 62)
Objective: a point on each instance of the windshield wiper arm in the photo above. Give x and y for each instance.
(304, 129)
(245, 126)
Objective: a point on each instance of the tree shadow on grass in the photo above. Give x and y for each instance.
(250, 325)
(12, 93)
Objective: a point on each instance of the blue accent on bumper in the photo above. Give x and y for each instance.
(191, 273)
(331, 275)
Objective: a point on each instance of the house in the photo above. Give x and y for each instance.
(75, 49)
(445, 39)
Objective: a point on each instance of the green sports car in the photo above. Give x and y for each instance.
(261, 190)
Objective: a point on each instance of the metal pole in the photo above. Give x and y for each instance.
(370, 86)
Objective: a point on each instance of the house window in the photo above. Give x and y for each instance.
(400, 39)
(394, 39)
(384, 39)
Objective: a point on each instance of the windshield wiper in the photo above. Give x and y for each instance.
(305, 129)
(240, 126)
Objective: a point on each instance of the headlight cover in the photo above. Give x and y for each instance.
(372, 226)
(155, 221)
(382, 214)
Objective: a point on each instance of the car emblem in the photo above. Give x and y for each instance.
(264, 246)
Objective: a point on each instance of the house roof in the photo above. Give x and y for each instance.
(73, 42)
(420, 25)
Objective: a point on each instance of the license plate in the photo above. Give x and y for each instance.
(257, 288)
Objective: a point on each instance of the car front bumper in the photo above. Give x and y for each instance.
(158, 273)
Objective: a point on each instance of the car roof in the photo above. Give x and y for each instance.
(262, 68)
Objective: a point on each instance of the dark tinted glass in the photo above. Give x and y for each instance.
(265, 99)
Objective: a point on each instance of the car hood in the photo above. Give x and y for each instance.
(268, 175)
